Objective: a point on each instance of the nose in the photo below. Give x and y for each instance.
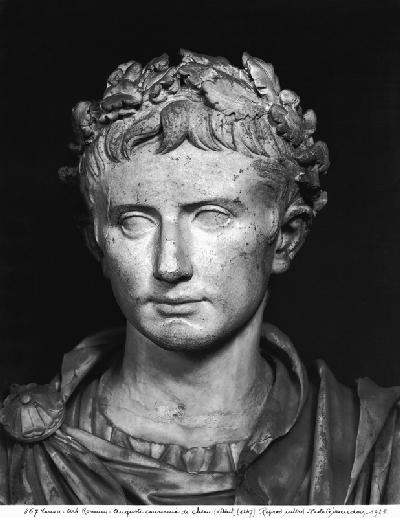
(172, 262)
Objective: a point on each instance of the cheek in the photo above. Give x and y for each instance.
(238, 262)
(128, 264)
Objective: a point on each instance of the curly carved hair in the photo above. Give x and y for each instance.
(213, 105)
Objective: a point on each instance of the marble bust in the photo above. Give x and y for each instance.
(200, 181)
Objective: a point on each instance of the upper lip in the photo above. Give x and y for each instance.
(175, 300)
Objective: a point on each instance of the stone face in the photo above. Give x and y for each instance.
(201, 180)
(188, 241)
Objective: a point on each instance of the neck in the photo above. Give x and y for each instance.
(192, 390)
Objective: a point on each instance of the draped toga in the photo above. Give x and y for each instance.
(316, 441)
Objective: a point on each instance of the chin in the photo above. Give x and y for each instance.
(181, 335)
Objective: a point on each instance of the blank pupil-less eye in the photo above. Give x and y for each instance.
(212, 218)
(135, 224)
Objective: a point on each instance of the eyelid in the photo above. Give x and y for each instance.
(220, 217)
(129, 214)
(215, 208)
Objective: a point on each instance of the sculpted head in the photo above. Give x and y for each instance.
(201, 180)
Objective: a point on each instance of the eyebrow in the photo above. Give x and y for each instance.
(116, 210)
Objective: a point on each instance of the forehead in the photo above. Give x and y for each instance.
(185, 175)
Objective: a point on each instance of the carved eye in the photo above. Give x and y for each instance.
(213, 217)
(134, 225)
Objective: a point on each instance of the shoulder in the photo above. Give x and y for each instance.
(361, 411)
(370, 401)
(32, 412)
(359, 424)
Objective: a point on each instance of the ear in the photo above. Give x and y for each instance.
(294, 228)
(93, 245)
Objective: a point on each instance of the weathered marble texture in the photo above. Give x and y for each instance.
(316, 442)
(200, 180)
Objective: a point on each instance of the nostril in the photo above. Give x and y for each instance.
(172, 262)
(181, 271)
(172, 277)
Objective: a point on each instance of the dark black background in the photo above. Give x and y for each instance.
(340, 299)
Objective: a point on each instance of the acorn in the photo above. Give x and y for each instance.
(133, 72)
(288, 97)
